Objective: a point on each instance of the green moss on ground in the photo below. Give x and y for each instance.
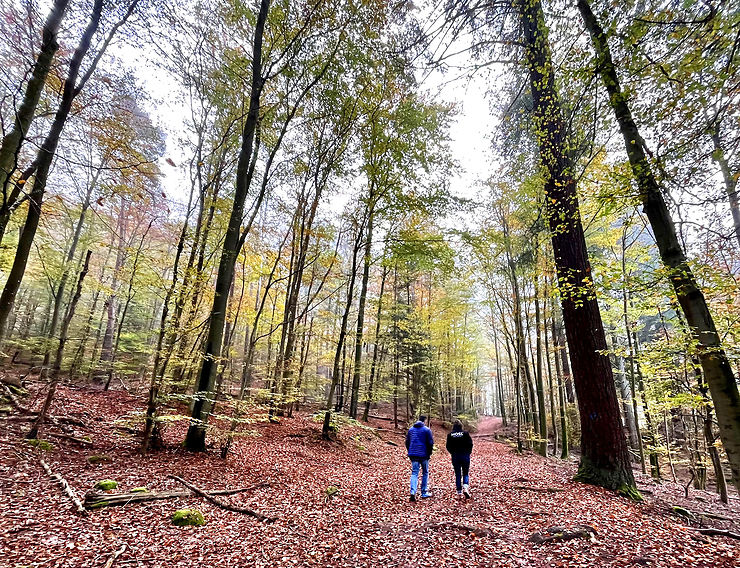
(102, 458)
(139, 490)
(42, 445)
(618, 481)
(106, 485)
(188, 518)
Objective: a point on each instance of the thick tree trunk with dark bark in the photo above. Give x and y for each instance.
(717, 370)
(604, 459)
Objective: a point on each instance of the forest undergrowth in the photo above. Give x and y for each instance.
(335, 503)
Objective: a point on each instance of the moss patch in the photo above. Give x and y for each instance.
(620, 481)
(106, 485)
(42, 445)
(102, 458)
(139, 490)
(188, 518)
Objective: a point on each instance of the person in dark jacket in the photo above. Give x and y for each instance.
(419, 444)
(460, 446)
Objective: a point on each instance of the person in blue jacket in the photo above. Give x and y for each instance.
(419, 444)
(460, 446)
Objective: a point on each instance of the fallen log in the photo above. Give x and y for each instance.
(719, 532)
(97, 499)
(221, 504)
(14, 400)
(561, 534)
(68, 491)
(13, 381)
(389, 419)
(539, 489)
(711, 515)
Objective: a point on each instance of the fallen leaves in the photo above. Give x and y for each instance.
(367, 521)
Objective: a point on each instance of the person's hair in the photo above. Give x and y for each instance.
(457, 424)
(422, 418)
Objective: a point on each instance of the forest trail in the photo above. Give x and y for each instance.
(369, 522)
(487, 426)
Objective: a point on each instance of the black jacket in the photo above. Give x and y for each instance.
(459, 443)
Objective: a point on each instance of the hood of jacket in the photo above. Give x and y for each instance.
(419, 424)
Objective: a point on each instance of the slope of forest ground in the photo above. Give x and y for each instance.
(368, 522)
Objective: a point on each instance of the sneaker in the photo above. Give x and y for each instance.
(466, 493)
(426, 495)
(413, 498)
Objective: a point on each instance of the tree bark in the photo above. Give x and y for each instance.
(13, 140)
(196, 436)
(715, 364)
(605, 458)
(356, 375)
(34, 431)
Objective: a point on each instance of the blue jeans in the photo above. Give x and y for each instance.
(416, 464)
(461, 465)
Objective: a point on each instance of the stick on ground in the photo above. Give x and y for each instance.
(68, 491)
(221, 504)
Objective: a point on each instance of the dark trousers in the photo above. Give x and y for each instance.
(461, 465)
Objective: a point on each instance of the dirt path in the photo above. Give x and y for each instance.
(488, 426)
(368, 523)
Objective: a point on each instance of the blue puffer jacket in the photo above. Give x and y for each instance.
(419, 441)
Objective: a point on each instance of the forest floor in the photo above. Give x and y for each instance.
(368, 522)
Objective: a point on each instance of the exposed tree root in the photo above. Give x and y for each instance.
(561, 534)
(477, 531)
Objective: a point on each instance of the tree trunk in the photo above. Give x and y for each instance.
(540, 382)
(59, 295)
(717, 370)
(356, 375)
(196, 436)
(605, 459)
(34, 432)
(13, 140)
(374, 364)
(728, 176)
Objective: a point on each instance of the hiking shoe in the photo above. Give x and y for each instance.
(426, 495)
(466, 493)
(413, 498)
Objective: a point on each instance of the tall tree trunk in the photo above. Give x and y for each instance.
(59, 295)
(196, 436)
(717, 370)
(34, 431)
(605, 458)
(540, 382)
(729, 177)
(13, 140)
(374, 363)
(43, 162)
(549, 379)
(340, 349)
(355, 395)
